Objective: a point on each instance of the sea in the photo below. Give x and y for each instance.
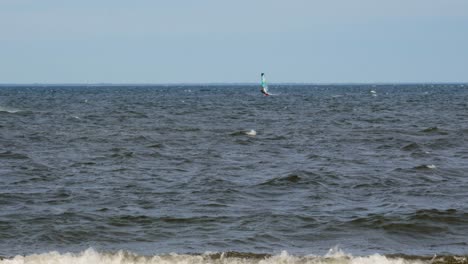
(219, 173)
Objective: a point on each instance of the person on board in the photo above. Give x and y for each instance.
(263, 90)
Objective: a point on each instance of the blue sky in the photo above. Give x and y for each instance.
(218, 41)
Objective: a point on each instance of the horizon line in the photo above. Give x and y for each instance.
(230, 83)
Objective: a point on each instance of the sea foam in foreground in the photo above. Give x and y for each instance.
(91, 256)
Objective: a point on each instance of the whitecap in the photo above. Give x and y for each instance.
(90, 256)
(8, 110)
(251, 133)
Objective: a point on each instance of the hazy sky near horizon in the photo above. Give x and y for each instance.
(218, 41)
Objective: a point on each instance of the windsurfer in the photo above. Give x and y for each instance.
(264, 86)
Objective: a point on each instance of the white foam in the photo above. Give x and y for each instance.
(9, 110)
(91, 256)
(251, 133)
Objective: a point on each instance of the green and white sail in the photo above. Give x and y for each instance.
(264, 83)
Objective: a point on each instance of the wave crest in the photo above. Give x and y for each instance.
(334, 256)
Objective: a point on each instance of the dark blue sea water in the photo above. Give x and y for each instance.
(129, 174)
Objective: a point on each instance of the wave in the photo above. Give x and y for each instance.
(12, 155)
(418, 168)
(434, 130)
(9, 110)
(91, 256)
(289, 179)
(425, 167)
(422, 222)
(250, 132)
(301, 177)
(411, 146)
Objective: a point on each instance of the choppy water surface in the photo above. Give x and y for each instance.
(160, 169)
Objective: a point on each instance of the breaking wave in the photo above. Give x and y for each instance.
(334, 256)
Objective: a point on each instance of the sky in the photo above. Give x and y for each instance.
(220, 41)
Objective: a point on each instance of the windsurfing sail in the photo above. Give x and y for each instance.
(264, 89)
